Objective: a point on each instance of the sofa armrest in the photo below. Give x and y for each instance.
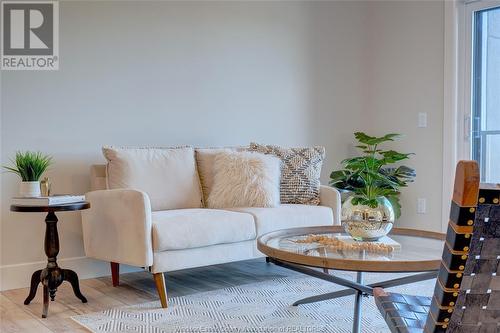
(117, 227)
(330, 197)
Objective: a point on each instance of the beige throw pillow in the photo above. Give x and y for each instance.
(245, 179)
(167, 175)
(300, 172)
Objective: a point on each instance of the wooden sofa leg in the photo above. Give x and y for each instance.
(161, 288)
(115, 273)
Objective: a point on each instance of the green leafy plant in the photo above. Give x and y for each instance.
(373, 175)
(29, 165)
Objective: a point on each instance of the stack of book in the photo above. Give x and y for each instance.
(53, 200)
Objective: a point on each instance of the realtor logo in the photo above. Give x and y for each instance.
(30, 35)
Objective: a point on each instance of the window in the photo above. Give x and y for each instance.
(485, 92)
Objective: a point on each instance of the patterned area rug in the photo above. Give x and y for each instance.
(258, 307)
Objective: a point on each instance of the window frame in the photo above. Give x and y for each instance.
(465, 85)
(458, 29)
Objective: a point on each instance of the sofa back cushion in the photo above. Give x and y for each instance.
(205, 159)
(167, 175)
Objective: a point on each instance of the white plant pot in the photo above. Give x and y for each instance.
(29, 189)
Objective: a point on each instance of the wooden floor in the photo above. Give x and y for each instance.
(134, 288)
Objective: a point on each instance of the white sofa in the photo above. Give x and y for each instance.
(121, 228)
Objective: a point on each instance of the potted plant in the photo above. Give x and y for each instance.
(374, 184)
(29, 166)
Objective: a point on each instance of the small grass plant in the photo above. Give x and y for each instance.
(29, 166)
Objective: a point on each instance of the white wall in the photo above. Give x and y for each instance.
(221, 73)
(405, 62)
(169, 73)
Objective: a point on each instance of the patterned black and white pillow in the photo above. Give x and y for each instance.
(300, 172)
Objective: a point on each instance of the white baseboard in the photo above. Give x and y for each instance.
(19, 275)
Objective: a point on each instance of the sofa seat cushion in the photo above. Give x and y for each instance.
(288, 216)
(190, 228)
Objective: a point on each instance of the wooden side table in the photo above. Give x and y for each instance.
(52, 276)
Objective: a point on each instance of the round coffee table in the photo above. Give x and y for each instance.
(419, 251)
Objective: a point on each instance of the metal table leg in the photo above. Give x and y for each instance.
(383, 284)
(356, 288)
(320, 275)
(358, 299)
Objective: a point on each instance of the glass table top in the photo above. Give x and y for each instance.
(331, 247)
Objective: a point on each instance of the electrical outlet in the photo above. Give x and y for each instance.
(422, 119)
(421, 206)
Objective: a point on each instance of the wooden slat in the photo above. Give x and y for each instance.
(455, 253)
(466, 189)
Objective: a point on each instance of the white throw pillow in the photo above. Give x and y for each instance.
(167, 175)
(245, 179)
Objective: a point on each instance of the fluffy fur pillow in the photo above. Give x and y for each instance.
(245, 179)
